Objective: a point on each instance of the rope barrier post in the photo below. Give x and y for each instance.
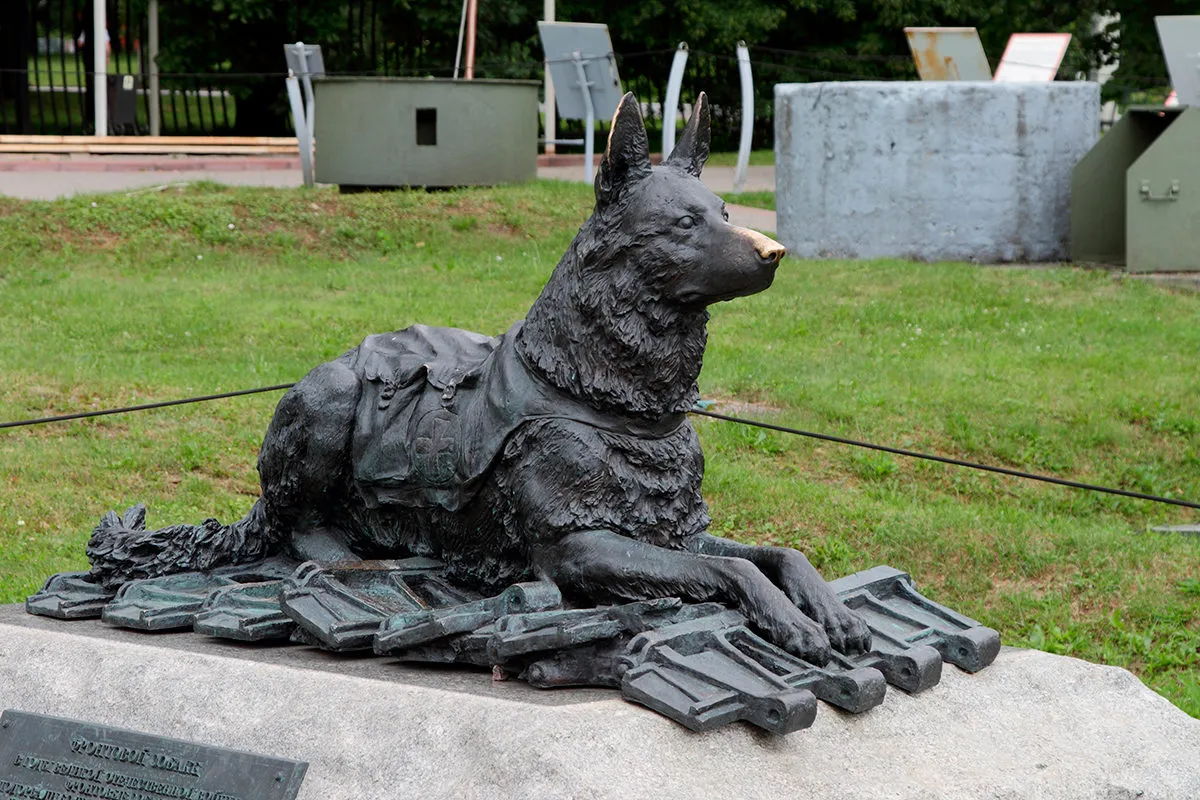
(671, 103)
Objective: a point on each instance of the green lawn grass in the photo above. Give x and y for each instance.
(117, 299)
(758, 158)
(755, 199)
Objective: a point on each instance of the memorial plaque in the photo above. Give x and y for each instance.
(50, 758)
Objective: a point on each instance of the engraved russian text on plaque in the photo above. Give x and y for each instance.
(50, 758)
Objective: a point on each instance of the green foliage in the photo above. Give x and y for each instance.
(796, 40)
(1142, 65)
(753, 199)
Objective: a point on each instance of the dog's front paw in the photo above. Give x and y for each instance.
(787, 627)
(848, 632)
(776, 616)
(808, 641)
(807, 589)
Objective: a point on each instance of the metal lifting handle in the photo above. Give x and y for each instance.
(671, 103)
(1149, 197)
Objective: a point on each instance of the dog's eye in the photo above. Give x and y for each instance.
(724, 215)
(686, 222)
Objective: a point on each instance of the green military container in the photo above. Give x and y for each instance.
(380, 132)
(1135, 197)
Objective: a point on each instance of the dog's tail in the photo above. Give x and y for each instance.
(122, 550)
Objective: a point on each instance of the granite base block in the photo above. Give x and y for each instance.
(1032, 725)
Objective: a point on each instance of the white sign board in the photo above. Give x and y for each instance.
(562, 41)
(1180, 37)
(1032, 57)
(948, 54)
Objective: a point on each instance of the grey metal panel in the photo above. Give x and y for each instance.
(366, 132)
(1098, 186)
(560, 40)
(948, 54)
(1162, 197)
(314, 62)
(1180, 37)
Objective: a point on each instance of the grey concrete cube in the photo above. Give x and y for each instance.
(931, 171)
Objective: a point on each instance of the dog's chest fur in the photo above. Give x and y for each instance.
(559, 476)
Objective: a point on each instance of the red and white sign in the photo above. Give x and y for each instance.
(1032, 57)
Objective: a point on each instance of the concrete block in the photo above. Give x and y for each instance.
(931, 171)
(1032, 725)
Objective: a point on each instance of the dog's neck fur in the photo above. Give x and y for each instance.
(600, 333)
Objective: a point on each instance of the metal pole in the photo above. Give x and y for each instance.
(671, 103)
(152, 63)
(302, 138)
(100, 65)
(586, 88)
(462, 24)
(743, 160)
(306, 82)
(472, 13)
(551, 125)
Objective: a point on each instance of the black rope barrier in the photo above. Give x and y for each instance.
(144, 407)
(1015, 473)
(957, 462)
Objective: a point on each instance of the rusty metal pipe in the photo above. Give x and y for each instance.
(472, 12)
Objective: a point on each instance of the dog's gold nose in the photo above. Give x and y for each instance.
(773, 253)
(769, 250)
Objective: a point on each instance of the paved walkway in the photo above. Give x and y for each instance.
(50, 177)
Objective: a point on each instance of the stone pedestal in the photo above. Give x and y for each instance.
(932, 171)
(1031, 725)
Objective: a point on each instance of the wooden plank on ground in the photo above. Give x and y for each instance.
(150, 145)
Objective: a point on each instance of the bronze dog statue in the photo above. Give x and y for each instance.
(560, 449)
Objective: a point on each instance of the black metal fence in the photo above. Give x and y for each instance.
(46, 74)
(46, 80)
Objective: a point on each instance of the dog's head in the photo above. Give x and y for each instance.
(678, 228)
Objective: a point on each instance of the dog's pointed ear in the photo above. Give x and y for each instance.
(692, 150)
(627, 156)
